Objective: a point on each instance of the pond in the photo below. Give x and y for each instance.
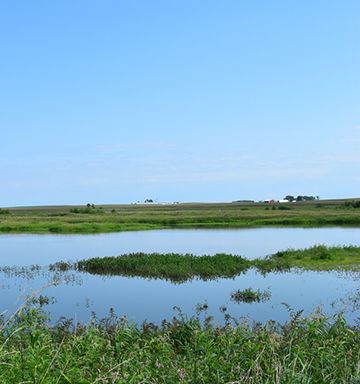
(80, 293)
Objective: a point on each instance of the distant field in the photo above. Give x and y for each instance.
(115, 218)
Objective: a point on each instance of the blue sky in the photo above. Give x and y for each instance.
(119, 101)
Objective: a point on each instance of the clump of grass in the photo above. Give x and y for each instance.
(248, 295)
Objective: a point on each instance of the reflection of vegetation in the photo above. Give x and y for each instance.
(314, 349)
(31, 272)
(114, 218)
(248, 295)
(42, 300)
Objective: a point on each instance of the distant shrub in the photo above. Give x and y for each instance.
(284, 208)
(352, 204)
(4, 211)
(273, 208)
(88, 211)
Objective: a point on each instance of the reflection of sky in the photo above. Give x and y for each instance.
(251, 243)
(153, 300)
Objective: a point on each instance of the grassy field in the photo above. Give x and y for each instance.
(115, 218)
(315, 349)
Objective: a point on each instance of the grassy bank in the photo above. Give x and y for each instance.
(315, 349)
(180, 268)
(115, 218)
(320, 257)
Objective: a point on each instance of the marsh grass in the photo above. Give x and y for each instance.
(314, 349)
(320, 257)
(175, 267)
(180, 268)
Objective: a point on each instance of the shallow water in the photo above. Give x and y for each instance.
(140, 299)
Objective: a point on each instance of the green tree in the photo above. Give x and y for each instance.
(289, 197)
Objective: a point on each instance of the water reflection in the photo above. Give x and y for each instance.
(81, 293)
(140, 299)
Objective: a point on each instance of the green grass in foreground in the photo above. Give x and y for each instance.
(116, 218)
(314, 349)
(179, 268)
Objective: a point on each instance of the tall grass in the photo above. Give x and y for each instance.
(315, 349)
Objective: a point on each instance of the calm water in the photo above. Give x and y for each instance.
(140, 299)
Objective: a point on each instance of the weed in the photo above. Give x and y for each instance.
(248, 295)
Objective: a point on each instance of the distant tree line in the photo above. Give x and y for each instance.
(301, 198)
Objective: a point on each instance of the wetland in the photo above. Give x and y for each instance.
(304, 280)
(204, 294)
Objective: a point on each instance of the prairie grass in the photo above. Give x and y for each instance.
(115, 218)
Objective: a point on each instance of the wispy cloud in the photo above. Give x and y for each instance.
(129, 146)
